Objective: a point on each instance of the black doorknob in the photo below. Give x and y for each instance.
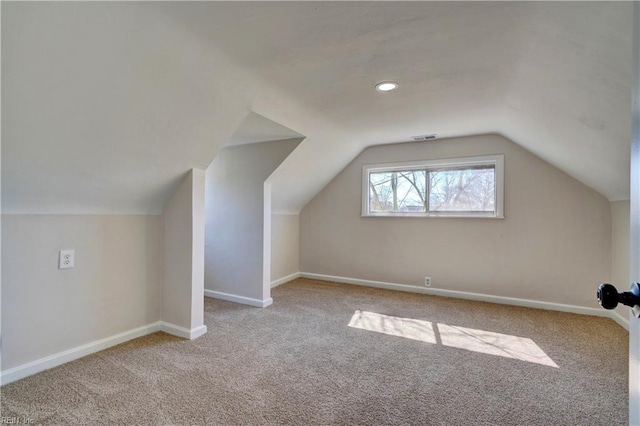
(608, 296)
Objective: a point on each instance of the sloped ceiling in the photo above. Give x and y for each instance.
(256, 129)
(106, 105)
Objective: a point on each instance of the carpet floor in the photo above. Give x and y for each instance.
(328, 353)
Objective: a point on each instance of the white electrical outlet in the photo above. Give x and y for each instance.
(67, 259)
(427, 281)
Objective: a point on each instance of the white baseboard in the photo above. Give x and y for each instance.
(42, 364)
(366, 283)
(618, 318)
(238, 299)
(285, 280)
(51, 361)
(185, 333)
(550, 306)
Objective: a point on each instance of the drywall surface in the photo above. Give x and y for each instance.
(234, 206)
(183, 254)
(114, 287)
(284, 245)
(620, 233)
(108, 107)
(554, 244)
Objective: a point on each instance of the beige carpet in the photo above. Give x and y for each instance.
(405, 359)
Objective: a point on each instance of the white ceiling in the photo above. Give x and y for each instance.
(106, 105)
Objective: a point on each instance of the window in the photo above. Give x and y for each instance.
(461, 187)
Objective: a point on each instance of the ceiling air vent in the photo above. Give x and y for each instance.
(424, 137)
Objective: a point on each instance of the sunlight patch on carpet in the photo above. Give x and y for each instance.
(488, 342)
(481, 341)
(394, 326)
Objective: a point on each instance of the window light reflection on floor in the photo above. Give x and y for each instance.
(486, 342)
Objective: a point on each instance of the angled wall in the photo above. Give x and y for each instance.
(235, 220)
(554, 244)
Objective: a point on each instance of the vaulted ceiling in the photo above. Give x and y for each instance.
(106, 105)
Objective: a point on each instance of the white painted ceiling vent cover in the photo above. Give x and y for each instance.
(424, 137)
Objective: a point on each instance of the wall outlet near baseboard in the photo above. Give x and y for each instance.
(427, 281)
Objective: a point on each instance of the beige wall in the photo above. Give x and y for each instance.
(235, 216)
(284, 245)
(554, 244)
(620, 232)
(114, 287)
(183, 254)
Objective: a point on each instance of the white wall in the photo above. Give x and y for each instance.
(554, 244)
(620, 247)
(114, 287)
(183, 256)
(284, 245)
(235, 217)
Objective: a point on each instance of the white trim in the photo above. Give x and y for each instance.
(617, 317)
(366, 283)
(185, 333)
(238, 299)
(285, 280)
(620, 319)
(51, 361)
(496, 160)
(537, 304)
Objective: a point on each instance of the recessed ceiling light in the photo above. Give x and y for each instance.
(386, 86)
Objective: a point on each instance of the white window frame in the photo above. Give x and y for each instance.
(497, 161)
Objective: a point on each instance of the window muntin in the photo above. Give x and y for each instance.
(469, 187)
